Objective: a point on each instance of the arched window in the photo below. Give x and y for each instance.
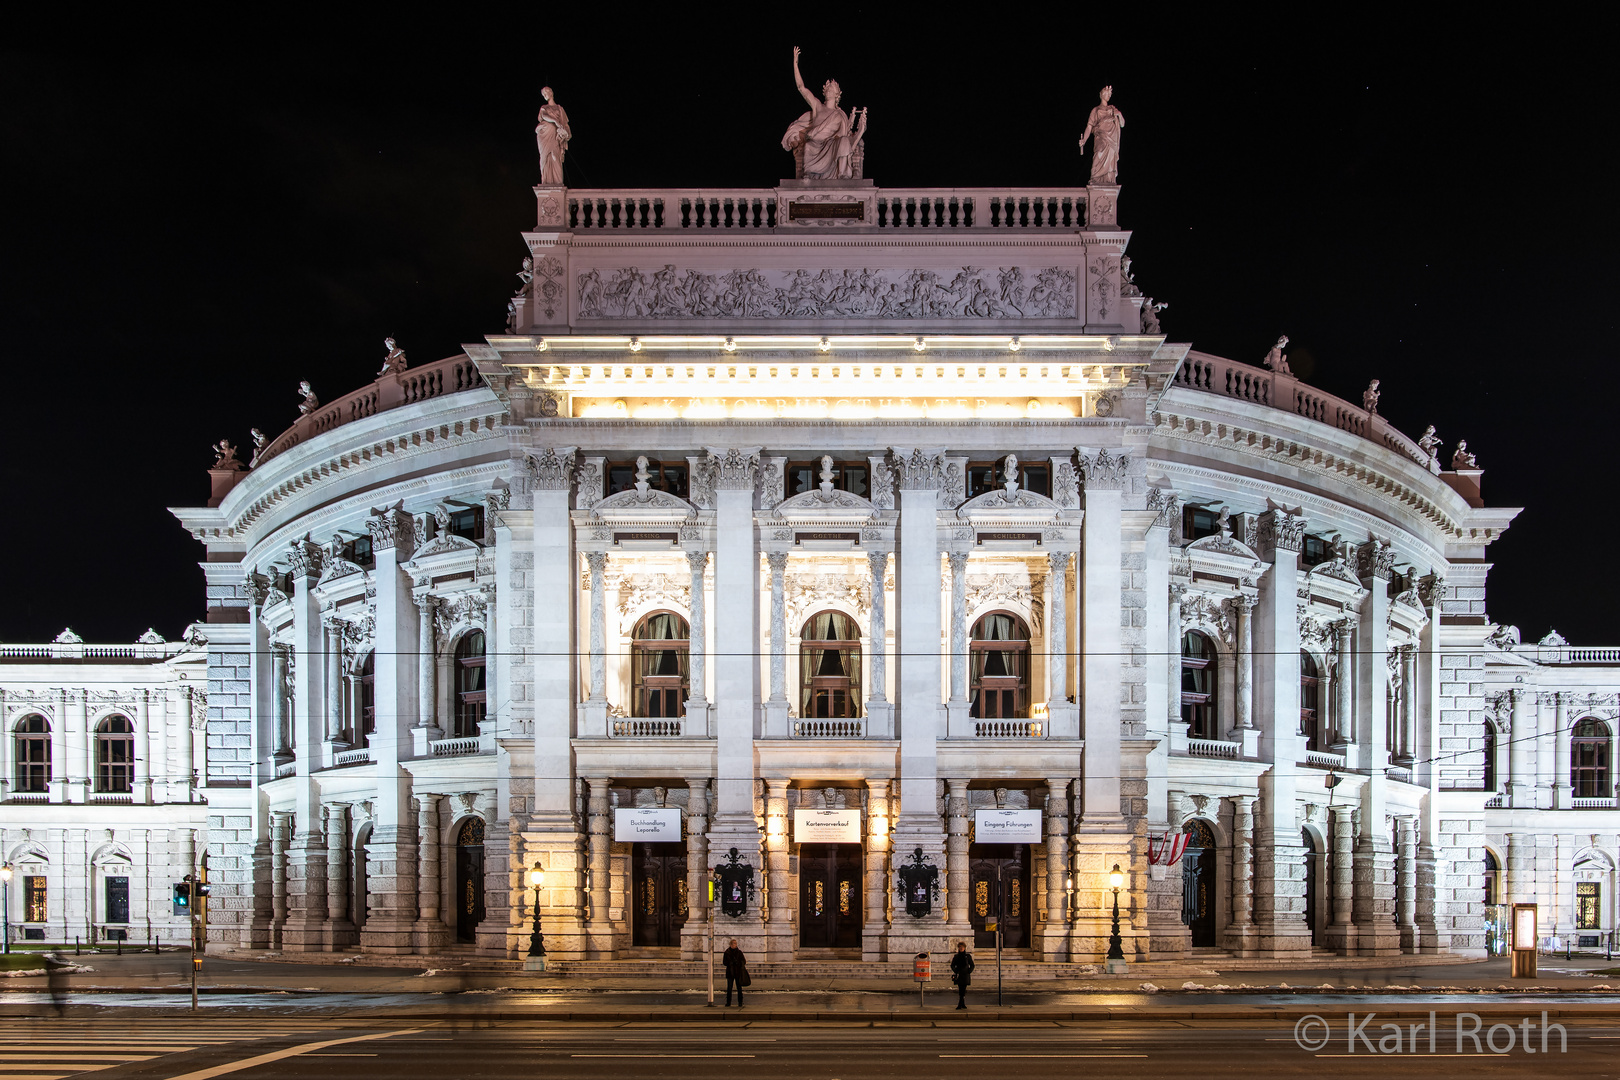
(115, 755)
(1198, 685)
(33, 748)
(998, 684)
(469, 685)
(830, 667)
(660, 672)
(1310, 702)
(1493, 875)
(366, 706)
(1589, 760)
(1489, 781)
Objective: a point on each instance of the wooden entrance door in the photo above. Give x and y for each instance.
(1006, 896)
(1203, 918)
(469, 879)
(830, 896)
(1311, 862)
(658, 875)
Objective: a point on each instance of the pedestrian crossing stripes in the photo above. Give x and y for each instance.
(58, 1049)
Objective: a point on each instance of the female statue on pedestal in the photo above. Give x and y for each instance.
(824, 132)
(552, 134)
(1105, 122)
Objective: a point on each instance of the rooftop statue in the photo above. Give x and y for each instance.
(824, 132)
(1275, 360)
(1150, 315)
(225, 456)
(395, 360)
(1429, 442)
(310, 402)
(1370, 396)
(1105, 122)
(552, 133)
(259, 441)
(1462, 459)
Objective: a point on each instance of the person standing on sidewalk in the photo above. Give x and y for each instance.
(961, 973)
(736, 965)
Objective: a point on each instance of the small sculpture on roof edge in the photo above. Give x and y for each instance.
(829, 138)
(1275, 360)
(395, 360)
(551, 135)
(310, 402)
(1105, 122)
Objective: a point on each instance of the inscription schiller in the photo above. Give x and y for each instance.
(800, 537)
(853, 211)
(671, 537)
(1035, 536)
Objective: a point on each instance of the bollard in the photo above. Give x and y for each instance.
(120, 951)
(75, 944)
(157, 946)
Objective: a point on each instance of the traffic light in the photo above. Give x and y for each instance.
(182, 898)
(202, 888)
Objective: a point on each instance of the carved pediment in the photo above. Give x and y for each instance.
(338, 567)
(1000, 501)
(444, 544)
(651, 499)
(1338, 570)
(813, 501)
(1223, 545)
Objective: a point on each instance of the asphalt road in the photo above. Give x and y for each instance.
(182, 1049)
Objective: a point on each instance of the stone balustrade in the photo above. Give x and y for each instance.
(756, 209)
(1214, 748)
(853, 728)
(346, 758)
(1009, 729)
(455, 747)
(670, 727)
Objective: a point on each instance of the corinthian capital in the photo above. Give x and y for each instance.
(1375, 559)
(392, 528)
(305, 558)
(552, 468)
(734, 469)
(258, 588)
(777, 560)
(1281, 529)
(1105, 471)
(920, 470)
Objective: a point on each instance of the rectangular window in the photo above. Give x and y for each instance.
(670, 476)
(1198, 522)
(34, 764)
(1587, 916)
(468, 524)
(1036, 478)
(851, 476)
(1315, 551)
(34, 899)
(983, 478)
(359, 552)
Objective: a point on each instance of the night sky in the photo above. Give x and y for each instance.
(198, 215)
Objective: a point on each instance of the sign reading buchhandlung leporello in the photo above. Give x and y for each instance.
(826, 826)
(1007, 826)
(646, 824)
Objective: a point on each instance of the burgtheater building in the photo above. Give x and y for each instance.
(878, 542)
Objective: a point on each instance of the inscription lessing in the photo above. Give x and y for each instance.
(852, 210)
(671, 537)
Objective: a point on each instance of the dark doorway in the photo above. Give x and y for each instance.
(830, 896)
(1311, 862)
(998, 876)
(360, 877)
(1203, 920)
(469, 879)
(117, 899)
(659, 875)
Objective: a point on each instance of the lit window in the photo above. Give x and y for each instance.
(470, 694)
(999, 673)
(115, 755)
(1198, 685)
(33, 750)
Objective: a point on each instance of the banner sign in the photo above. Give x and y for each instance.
(1007, 826)
(646, 825)
(826, 826)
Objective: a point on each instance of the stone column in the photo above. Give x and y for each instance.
(1409, 709)
(597, 560)
(777, 560)
(1521, 752)
(1562, 791)
(1406, 891)
(334, 677)
(431, 931)
(1375, 856)
(874, 933)
(957, 885)
(1178, 592)
(1054, 937)
(427, 669)
(1243, 710)
(341, 930)
(1341, 934)
(144, 757)
(1057, 629)
(697, 650)
(877, 688)
(278, 700)
(780, 898)
(1240, 934)
(693, 934)
(1344, 691)
(959, 639)
(599, 826)
(280, 828)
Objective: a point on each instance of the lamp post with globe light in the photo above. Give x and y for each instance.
(537, 941)
(1116, 881)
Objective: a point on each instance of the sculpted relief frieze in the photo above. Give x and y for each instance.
(967, 292)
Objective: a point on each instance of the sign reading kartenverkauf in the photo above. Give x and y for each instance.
(646, 824)
(1007, 826)
(826, 826)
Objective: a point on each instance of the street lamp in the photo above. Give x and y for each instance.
(5, 909)
(1116, 881)
(537, 943)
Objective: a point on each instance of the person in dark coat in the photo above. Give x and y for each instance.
(961, 973)
(736, 965)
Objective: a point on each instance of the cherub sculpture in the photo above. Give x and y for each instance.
(1429, 442)
(310, 402)
(1369, 397)
(1275, 360)
(225, 455)
(1462, 459)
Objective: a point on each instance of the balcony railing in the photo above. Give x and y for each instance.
(739, 209)
(648, 727)
(391, 391)
(851, 728)
(1324, 759)
(1495, 802)
(1215, 748)
(1592, 804)
(1009, 729)
(455, 747)
(346, 758)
